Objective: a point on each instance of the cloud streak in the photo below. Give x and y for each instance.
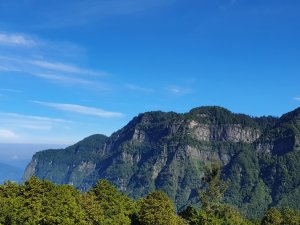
(34, 118)
(33, 129)
(16, 40)
(52, 71)
(46, 60)
(176, 90)
(63, 79)
(11, 90)
(22, 65)
(62, 67)
(7, 134)
(31, 122)
(133, 87)
(297, 99)
(79, 109)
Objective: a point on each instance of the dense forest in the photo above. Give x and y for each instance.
(169, 151)
(43, 202)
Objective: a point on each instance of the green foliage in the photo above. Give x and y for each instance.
(285, 217)
(94, 211)
(157, 209)
(60, 166)
(219, 115)
(192, 216)
(225, 215)
(40, 202)
(213, 193)
(116, 206)
(290, 217)
(247, 190)
(272, 217)
(212, 210)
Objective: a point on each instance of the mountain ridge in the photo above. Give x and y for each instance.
(169, 151)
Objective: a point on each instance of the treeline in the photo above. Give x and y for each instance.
(43, 202)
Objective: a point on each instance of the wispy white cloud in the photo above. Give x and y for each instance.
(35, 118)
(177, 90)
(58, 72)
(62, 67)
(15, 64)
(33, 129)
(6, 91)
(47, 60)
(7, 69)
(92, 111)
(297, 98)
(9, 64)
(31, 122)
(133, 87)
(10, 90)
(63, 79)
(16, 40)
(7, 134)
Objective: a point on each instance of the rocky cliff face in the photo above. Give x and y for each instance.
(225, 132)
(169, 151)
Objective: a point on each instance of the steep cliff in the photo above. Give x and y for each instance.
(168, 151)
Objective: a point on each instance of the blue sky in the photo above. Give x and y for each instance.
(69, 69)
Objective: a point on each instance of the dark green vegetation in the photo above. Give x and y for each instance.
(42, 202)
(170, 152)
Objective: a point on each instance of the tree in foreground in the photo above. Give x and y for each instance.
(272, 217)
(41, 202)
(284, 217)
(158, 209)
(117, 207)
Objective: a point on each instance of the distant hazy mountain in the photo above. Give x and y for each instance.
(168, 151)
(15, 157)
(11, 173)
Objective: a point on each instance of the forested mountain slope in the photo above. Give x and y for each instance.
(169, 151)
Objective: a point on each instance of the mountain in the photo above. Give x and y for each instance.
(8, 172)
(169, 151)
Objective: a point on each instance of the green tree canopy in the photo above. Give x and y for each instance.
(116, 206)
(157, 209)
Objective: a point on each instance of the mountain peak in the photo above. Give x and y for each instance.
(220, 115)
(210, 110)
